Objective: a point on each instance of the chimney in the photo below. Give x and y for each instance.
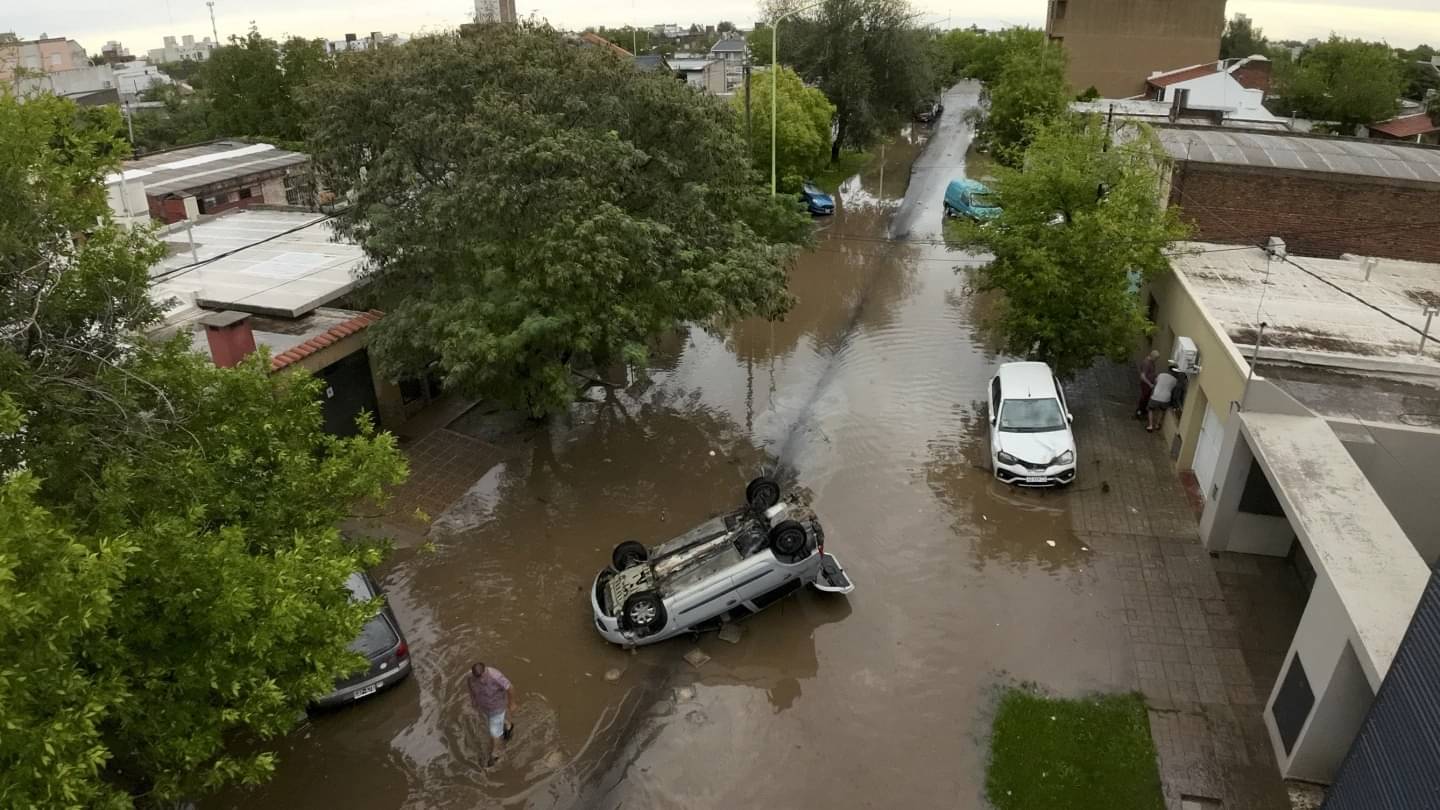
(229, 336)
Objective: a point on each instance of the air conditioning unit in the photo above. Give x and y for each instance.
(1185, 356)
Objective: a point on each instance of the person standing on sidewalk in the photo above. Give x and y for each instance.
(1147, 383)
(494, 699)
(1162, 398)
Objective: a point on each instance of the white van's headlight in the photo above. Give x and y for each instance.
(1067, 457)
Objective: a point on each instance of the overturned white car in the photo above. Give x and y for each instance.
(722, 570)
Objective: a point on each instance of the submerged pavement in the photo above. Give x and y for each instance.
(870, 394)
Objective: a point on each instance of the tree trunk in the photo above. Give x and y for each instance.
(839, 139)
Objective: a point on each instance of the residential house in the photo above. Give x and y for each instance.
(1416, 128)
(651, 63)
(1310, 430)
(43, 55)
(186, 50)
(1236, 87)
(194, 181)
(495, 11)
(351, 42)
(705, 75)
(1325, 196)
(732, 53)
(1112, 44)
(272, 279)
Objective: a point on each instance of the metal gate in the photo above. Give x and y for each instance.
(1207, 450)
(1392, 765)
(349, 389)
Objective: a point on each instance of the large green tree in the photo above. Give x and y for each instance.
(967, 53)
(1346, 81)
(1029, 93)
(1080, 226)
(170, 570)
(867, 55)
(1242, 38)
(253, 82)
(531, 208)
(802, 127)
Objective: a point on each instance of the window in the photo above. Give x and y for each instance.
(1031, 416)
(1058, 9)
(994, 397)
(54, 60)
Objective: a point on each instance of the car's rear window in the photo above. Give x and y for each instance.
(375, 638)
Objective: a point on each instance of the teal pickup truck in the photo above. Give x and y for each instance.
(970, 198)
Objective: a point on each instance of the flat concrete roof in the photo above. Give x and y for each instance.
(199, 166)
(1409, 401)
(1158, 112)
(1303, 152)
(1328, 316)
(290, 275)
(1343, 524)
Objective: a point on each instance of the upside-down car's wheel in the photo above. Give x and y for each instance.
(788, 538)
(762, 493)
(644, 612)
(628, 555)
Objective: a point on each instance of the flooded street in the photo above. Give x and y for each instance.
(871, 395)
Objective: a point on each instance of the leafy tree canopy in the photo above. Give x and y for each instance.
(1242, 38)
(965, 53)
(802, 130)
(1348, 81)
(869, 58)
(169, 568)
(1077, 222)
(529, 207)
(1029, 93)
(253, 82)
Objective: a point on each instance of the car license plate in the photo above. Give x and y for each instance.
(1036, 479)
(366, 692)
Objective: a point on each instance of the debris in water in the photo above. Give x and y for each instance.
(730, 633)
(1084, 548)
(984, 517)
(612, 674)
(712, 452)
(1050, 543)
(1105, 486)
(554, 760)
(697, 717)
(1134, 511)
(684, 693)
(696, 658)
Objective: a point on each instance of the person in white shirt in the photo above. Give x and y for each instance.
(1160, 398)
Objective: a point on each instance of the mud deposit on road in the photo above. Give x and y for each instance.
(871, 395)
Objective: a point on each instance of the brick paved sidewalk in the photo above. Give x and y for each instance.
(1207, 633)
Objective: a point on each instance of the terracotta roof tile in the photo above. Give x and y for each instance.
(1182, 75)
(1406, 126)
(335, 333)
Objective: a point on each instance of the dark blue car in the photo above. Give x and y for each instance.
(816, 201)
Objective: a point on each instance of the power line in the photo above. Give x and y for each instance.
(168, 274)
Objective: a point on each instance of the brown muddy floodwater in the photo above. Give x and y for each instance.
(870, 394)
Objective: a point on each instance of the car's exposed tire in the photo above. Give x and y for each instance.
(628, 555)
(644, 613)
(788, 539)
(762, 493)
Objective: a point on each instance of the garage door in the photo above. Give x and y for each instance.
(1207, 451)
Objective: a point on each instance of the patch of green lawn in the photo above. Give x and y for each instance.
(849, 164)
(1091, 754)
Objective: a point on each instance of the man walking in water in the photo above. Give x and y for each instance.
(494, 699)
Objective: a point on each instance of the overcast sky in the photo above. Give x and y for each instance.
(140, 24)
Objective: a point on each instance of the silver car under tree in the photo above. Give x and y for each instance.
(723, 570)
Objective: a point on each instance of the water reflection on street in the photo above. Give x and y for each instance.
(870, 394)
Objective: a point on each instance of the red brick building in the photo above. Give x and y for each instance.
(210, 178)
(1324, 196)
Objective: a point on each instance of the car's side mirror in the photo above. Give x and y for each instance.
(1070, 417)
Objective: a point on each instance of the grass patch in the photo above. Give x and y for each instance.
(1091, 754)
(849, 164)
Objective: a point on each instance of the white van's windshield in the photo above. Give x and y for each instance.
(1031, 416)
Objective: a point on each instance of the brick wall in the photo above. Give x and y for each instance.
(1316, 215)
(167, 209)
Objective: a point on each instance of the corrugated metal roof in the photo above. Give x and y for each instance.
(1407, 126)
(199, 166)
(1335, 155)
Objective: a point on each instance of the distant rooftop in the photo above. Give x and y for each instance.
(1303, 152)
(1158, 112)
(686, 64)
(197, 166)
(288, 276)
(732, 45)
(289, 340)
(1333, 318)
(1407, 126)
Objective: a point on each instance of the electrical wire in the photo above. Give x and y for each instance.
(171, 273)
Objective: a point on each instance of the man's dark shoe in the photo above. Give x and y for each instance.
(509, 731)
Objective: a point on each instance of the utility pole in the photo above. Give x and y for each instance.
(749, 130)
(215, 32)
(130, 122)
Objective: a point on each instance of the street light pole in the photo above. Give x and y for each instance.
(215, 32)
(774, 81)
